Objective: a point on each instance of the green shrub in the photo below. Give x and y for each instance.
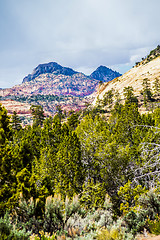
(115, 233)
(154, 225)
(8, 231)
(44, 236)
(148, 207)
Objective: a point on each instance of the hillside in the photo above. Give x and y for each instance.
(133, 78)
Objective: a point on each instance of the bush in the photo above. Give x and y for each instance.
(154, 225)
(145, 216)
(9, 231)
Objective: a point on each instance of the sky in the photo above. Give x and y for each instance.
(81, 34)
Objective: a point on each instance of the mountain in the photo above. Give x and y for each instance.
(51, 67)
(50, 85)
(51, 78)
(104, 74)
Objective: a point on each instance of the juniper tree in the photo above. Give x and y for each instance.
(146, 91)
(16, 122)
(38, 115)
(156, 86)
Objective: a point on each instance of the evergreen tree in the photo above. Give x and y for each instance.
(70, 175)
(156, 86)
(5, 131)
(129, 95)
(59, 112)
(73, 121)
(146, 92)
(38, 115)
(16, 122)
(7, 179)
(108, 98)
(93, 135)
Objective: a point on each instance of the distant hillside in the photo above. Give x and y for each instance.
(104, 74)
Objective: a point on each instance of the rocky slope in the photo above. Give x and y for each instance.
(133, 78)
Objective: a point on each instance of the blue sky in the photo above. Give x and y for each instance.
(81, 34)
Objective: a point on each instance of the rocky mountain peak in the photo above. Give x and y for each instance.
(103, 73)
(51, 67)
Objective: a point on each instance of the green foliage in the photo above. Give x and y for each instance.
(59, 111)
(156, 117)
(70, 173)
(135, 222)
(25, 184)
(9, 231)
(93, 195)
(43, 236)
(129, 197)
(146, 92)
(93, 135)
(90, 158)
(108, 98)
(38, 115)
(109, 235)
(154, 225)
(73, 121)
(7, 178)
(5, 131)
(58, 211)
(150, 203)
(129, 95)
(148, 208)
(16, 122)
(156, 86)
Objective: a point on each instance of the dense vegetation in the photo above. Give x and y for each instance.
(84, 178)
